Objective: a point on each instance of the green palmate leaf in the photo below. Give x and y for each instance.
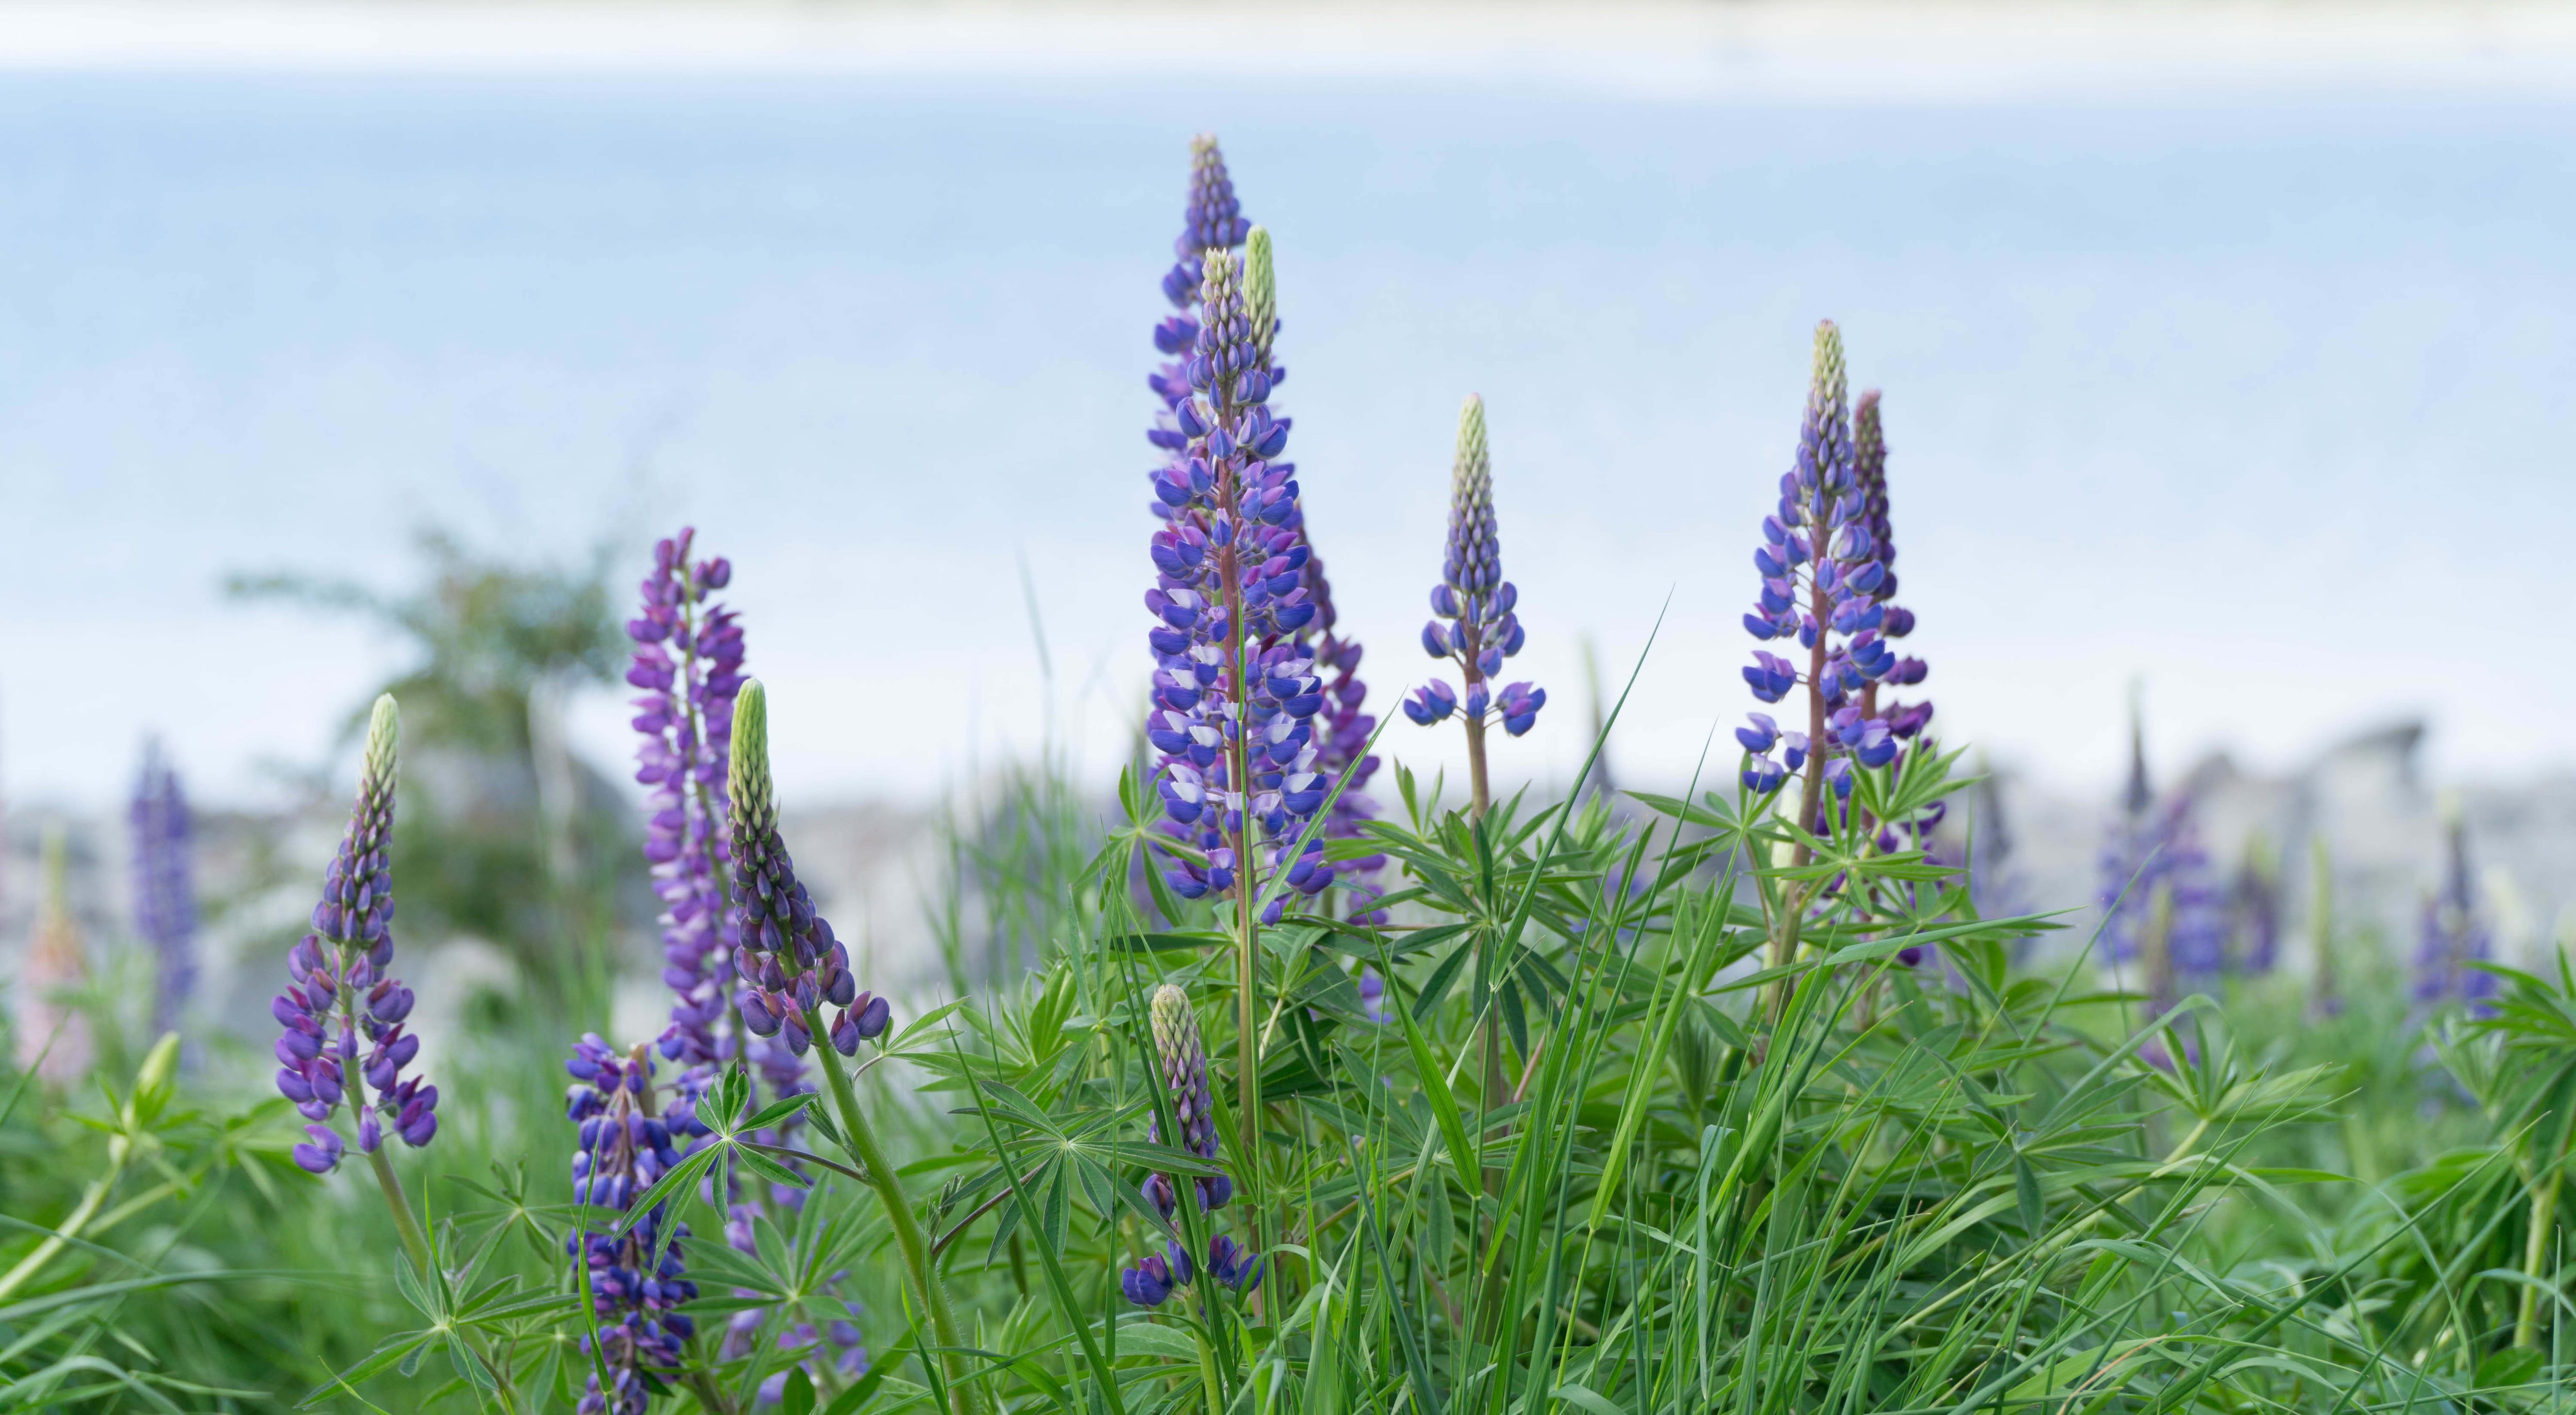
(798, 1396)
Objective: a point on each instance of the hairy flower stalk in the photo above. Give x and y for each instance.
(791, 967)
(625, 1148)
(165, 898)
(1181, 1058)
(1475, 625)
(1235, 692)
(339, 986)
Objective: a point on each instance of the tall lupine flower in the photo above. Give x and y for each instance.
(1235, 693)
(1181, 1062)
(1212, 221)
(339, 986)
(688, 662)
(788, 960)
(2452, 936)
(1474, 624)
(1821, 572)
(165, 899)
(634, 1288)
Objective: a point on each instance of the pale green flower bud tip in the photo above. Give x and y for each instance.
(1474, 465)
(748, 776)
(1830, 385)
(384, 730)
(1260, 283)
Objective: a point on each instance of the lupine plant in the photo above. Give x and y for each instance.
(340, 984)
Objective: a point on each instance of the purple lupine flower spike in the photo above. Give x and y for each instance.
(1823, 564)
(1869, 468)
(1212, 221)
(2452, 935)
(790, 964)
(636, 1282)
(1476, 625)
(165, 901)
(688, 662)
(1236, 690)
(338, 985)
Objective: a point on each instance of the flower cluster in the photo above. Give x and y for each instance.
(1181, 1058)
(2156, 880)
(2452, 938)
(1475, 626)
(1235, 691)
(1824, 569)
(1212, 221)
(1869, 469)
(338, 987)
(165, 900)
(636, 1281)
(788, 960)
(688, 662)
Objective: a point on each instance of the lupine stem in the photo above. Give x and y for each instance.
(2535, 1249)
(119, 1150)
(861, 1141)
(414, 1242)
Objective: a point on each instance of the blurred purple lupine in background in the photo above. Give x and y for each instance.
(339, 984)
(1476, 624)
(160, 838)
(2153, 851)
(635, 1280)
(2254, 910)
(688, 662)
(2453, 936)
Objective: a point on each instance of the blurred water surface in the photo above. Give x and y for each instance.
(2264, 399)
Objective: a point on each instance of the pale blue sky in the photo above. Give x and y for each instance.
(2262, 396)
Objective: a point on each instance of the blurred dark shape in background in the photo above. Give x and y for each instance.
(506, 835)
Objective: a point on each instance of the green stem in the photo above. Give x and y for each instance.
(2535, 1254)
(413, 1242)
(118, 1150)
(861, 1142)
(1207, 1376)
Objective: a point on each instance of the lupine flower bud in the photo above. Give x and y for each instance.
(796, 966)
(636, 1281)
(1182, 1058)
(338, 983)
(1477, 626)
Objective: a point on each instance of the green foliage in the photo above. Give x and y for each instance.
(1662, 1120)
